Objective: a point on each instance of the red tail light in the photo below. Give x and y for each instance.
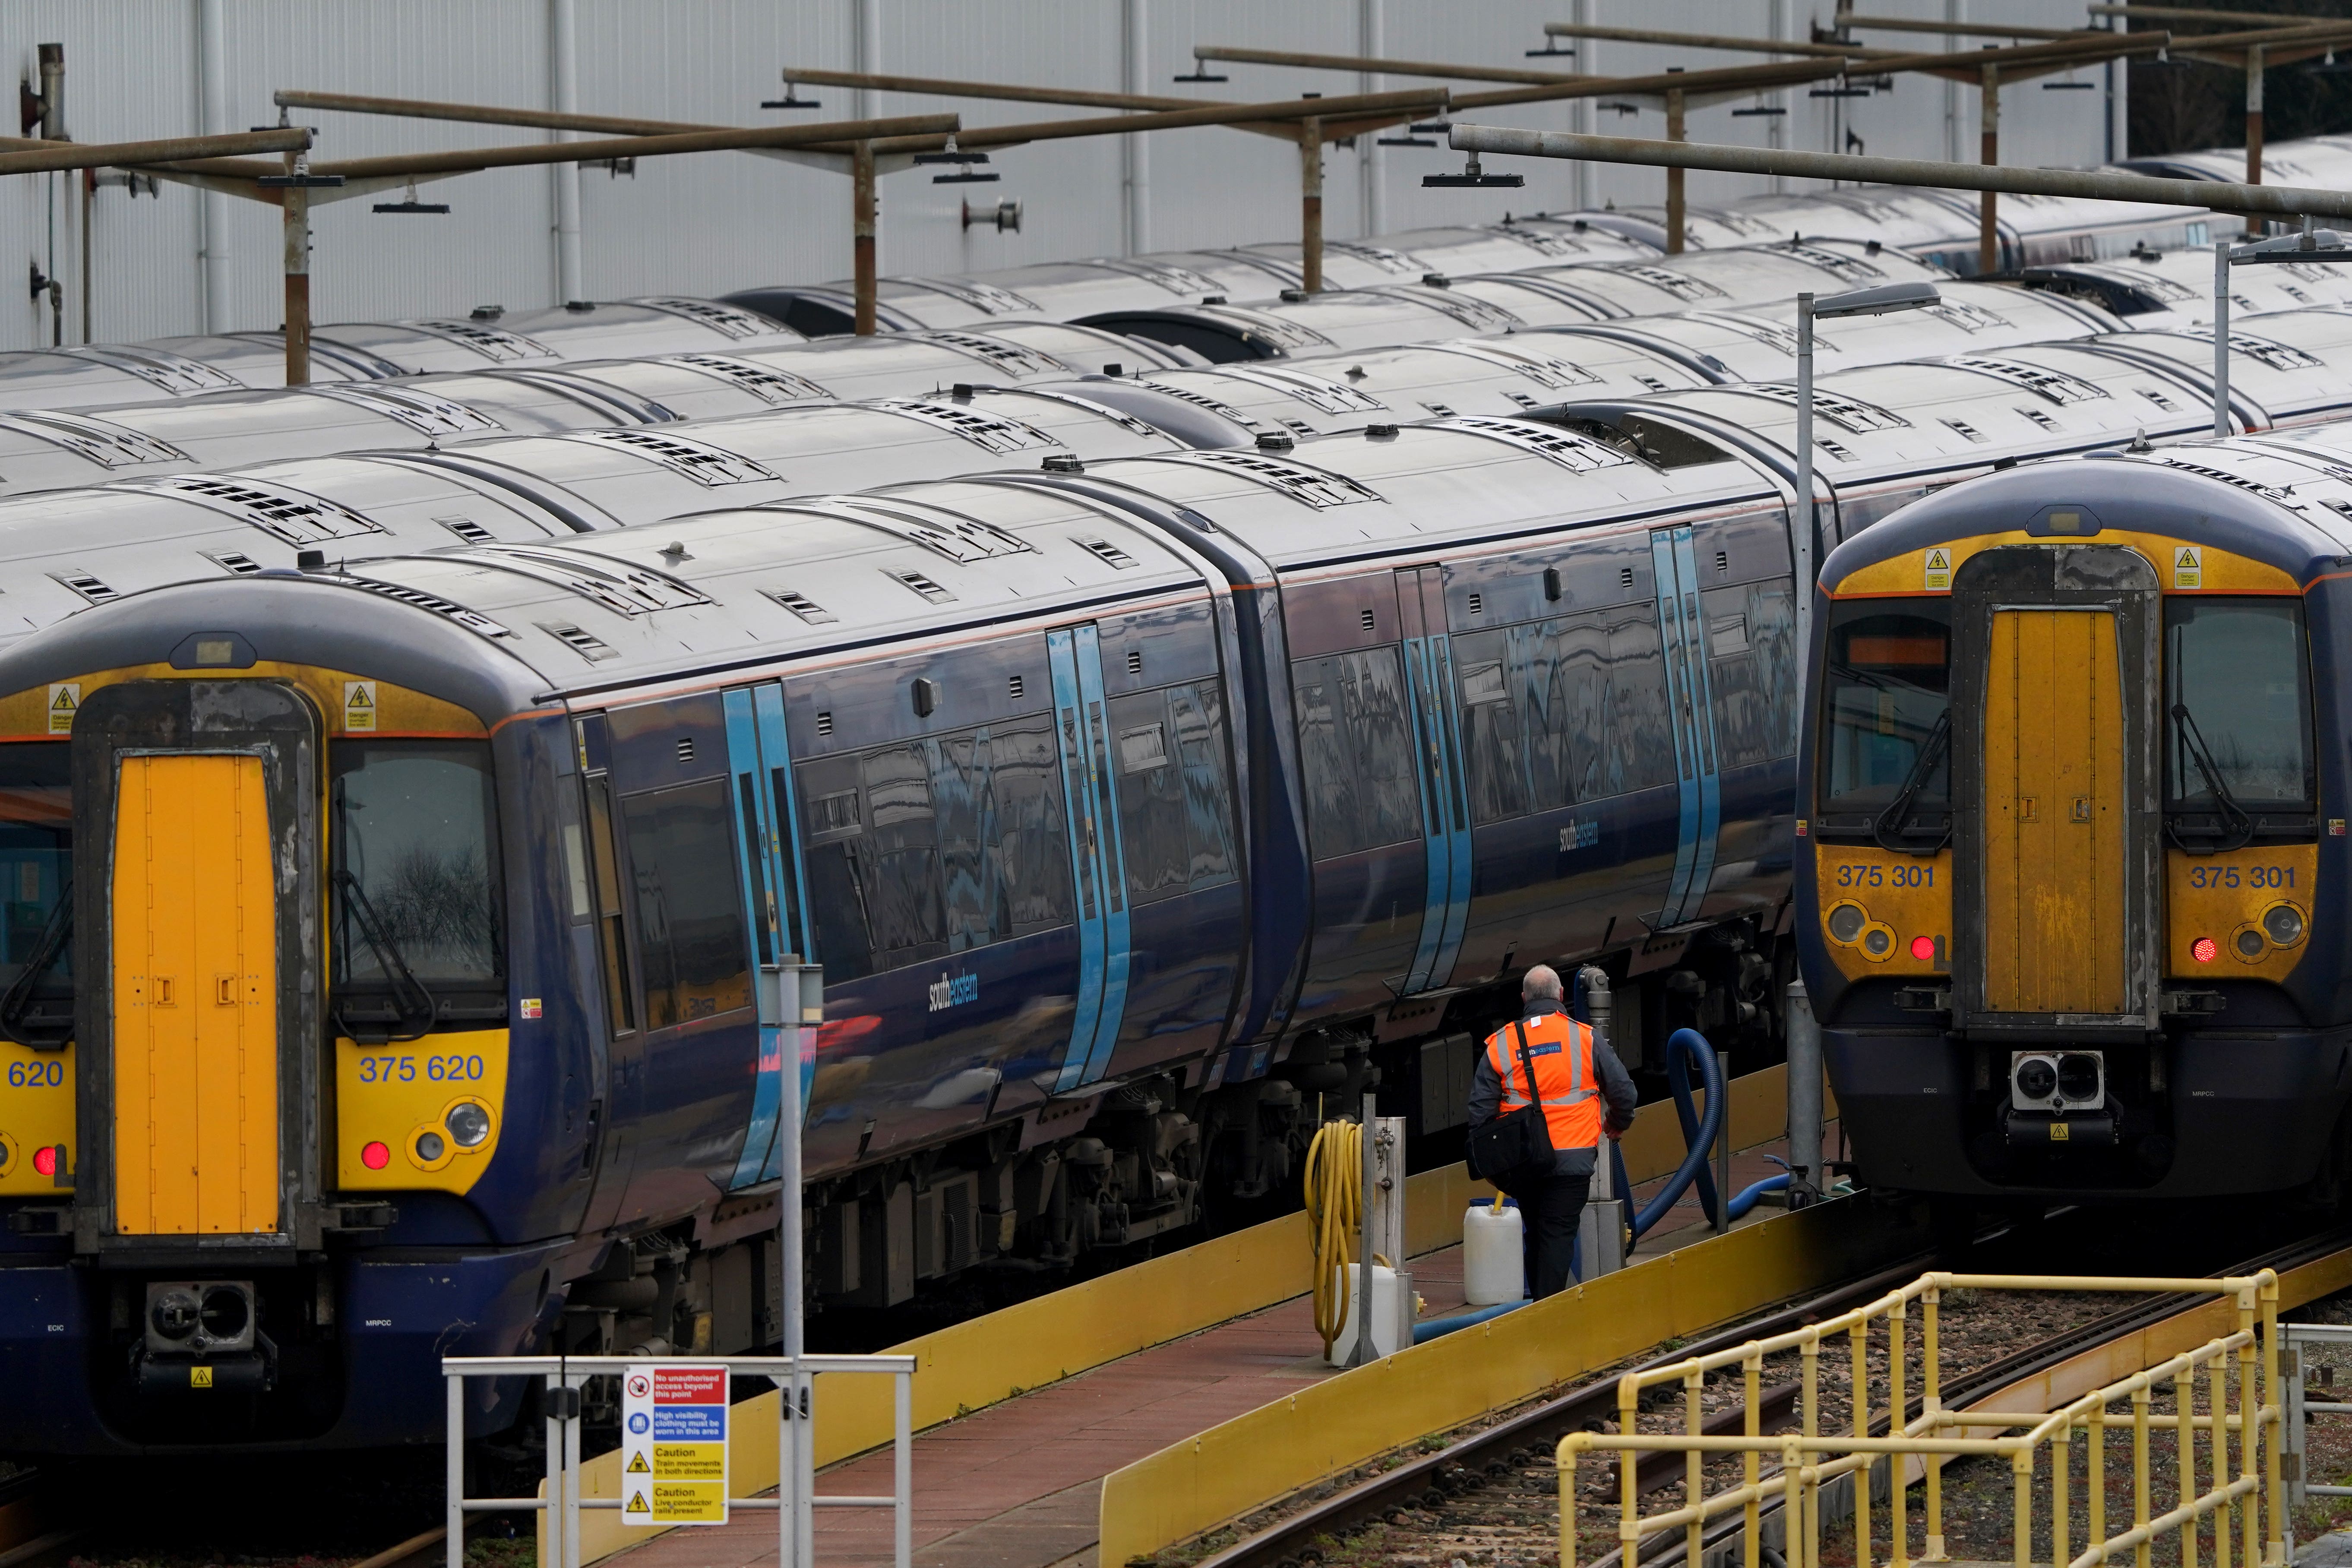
(2205, 950)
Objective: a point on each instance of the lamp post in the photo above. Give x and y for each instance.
(1856, 302)
(2311, 245)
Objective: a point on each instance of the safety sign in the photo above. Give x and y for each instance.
(674, 1444)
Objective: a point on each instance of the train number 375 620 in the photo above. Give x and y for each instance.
(2242, 876)
(434, 1069)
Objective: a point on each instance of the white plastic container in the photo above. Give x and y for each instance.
(1385, 1317)
(1493, 1264)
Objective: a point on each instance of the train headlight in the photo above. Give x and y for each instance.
(2250, 943)
(428, 1148)
(226, 1314)
(175, 1314)
(1878, 942)
(2078, 1077)
(469, 1124)
(1846, 921)
(2283, 923)
(7, 1153)
(2037, 1077)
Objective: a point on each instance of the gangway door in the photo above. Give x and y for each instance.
(2054, 690)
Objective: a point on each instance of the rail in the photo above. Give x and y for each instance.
(796, 1496)
(1809, 1460)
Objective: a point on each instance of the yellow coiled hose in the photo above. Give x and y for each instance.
(1335, 1197)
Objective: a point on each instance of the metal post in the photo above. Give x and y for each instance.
(1310, 206)
(1989, 123)
(1804, 1099)
(572, 1384)
(212, 76)
(563, 92)
(453, 1508)
(298, 284)
(1360, 1352)
(1371, 165)
(797, 1000)
(2254, 65)
(1802, 518)
(2220, 336)
(902, 1470)
(1723, 1148)
(551, 1521)
(1675, 222)
(861, 226)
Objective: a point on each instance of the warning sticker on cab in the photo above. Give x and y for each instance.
(359, 706)
(65, 701)
(2188, 566)
(674, 1436)
(1940, 571)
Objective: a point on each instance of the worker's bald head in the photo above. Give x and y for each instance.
(1541, 985)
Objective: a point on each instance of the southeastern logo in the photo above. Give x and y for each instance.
(954, 991)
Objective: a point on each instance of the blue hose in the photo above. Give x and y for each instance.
(1699, 1132)
(1437, 1327)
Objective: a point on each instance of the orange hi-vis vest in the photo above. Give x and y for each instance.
(1560, 1051)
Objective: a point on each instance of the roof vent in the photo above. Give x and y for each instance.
(1435, 280)
(920, 585)
(1292, 296)
(235, 563)
(763, 381)
(309, 561)
(801, 604)
(93, 588)
(1064, 463)
(467, 528)
(1275, 441)
(584, 643)
(579, 306)
(1213, 299)
(1111, 554)
(705, 465)
(488, 312)
(1380, 432)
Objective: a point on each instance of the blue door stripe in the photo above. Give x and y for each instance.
(1430, 772)
(1662, 563)
(1710, 768)
(1078, 815)
(1112, 850)
(784, 808)
(1456, 803)
(743, 765)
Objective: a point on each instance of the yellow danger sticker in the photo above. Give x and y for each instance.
(2188, 566)
(200, 1377)
(638, 1466)
(637, 1502)
(359, 706)
(1939, 573)
(65, 701)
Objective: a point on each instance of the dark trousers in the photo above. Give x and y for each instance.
(1548, 1216)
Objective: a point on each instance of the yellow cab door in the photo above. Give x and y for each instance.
(194, 984)
(2053, 749)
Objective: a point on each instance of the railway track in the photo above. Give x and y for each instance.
(1500, 1483)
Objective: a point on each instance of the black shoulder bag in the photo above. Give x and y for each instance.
(1514, 1150)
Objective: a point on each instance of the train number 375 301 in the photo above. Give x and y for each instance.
(2242, 876)
(434, 1069)
(1850, 876)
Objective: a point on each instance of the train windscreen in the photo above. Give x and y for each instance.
(1885, 705)
(36, 877)
(415, 907)
(2237, 698)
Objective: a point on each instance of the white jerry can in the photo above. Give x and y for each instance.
(1494, 1265)
(1385, 1338)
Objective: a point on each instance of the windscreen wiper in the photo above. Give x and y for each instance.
(1923, 767)
(55, 932)
(389, 959)
(2194, 740)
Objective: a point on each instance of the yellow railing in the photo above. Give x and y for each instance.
(1809, 1458)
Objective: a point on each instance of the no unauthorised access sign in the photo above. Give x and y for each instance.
(674, 1444)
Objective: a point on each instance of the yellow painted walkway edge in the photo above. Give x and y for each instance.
(1258, 1458)
(1001, 1355)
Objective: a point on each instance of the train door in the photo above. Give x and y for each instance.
(2053, 753)
(1097, 864)
(759, 768)
(1435, 716)
(195, 1056)
(1690, 704)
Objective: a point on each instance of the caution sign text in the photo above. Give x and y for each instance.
(359, 706)
(674, 1437)
(65, 701)
(2188, 566)
(1938, 572)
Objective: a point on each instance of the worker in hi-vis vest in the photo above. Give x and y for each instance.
(1585, 1093)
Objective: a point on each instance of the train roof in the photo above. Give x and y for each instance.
(1744, 275)
(1498, 375)
(1759, 343)
(2285, 367)
(2234, 495)
(1878, 423)
(1510, 244)
(1058, 289)
(1452, 482)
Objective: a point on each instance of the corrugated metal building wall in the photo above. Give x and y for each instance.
(716, 222)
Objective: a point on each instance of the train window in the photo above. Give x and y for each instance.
(2237, 668)
(1490, 731)
(35, 875)
(620, 1000)
(1752, 645)
(692, 951)
(1032, 852)
(1563, 711)
(1886, 694)
(415, 900)
(905, 902)
(1151, 799)
(1355, 752)
(1198, 714)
